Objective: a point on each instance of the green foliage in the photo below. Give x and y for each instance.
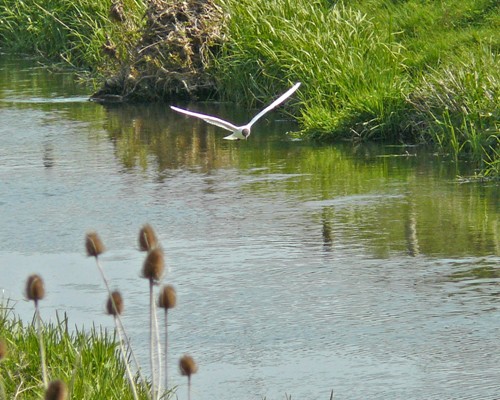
(73, 31)
(412, 70)
(88, 362)
(460, 104)
(374, 69)
(352, 74)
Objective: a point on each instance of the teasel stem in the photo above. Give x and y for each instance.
(114, 307)
(166, 300)
(166, 348)
(151, 341)
(132, 353)
(188, 367)
(152, 270)
(94, 248)
(35, 290)
(42, 347)
(154, 346)
(125, 361)
(158, 349)
(122, 328)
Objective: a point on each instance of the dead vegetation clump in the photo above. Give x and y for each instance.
(171, 58)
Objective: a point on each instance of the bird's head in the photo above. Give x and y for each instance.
(246, 133)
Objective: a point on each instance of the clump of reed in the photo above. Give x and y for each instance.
(459, 101)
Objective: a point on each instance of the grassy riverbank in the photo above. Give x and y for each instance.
(411, 72)
(88, 362)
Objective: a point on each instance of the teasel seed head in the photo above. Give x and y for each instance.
(117, 308)
(35, 289)
(147, 238)
(187, 365)
(154, 265)
(3, 349)
(57, 390)
(94, 244)
(167, 298)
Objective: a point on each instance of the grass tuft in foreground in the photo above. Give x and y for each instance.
(87, 361)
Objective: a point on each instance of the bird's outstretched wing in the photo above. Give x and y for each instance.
(231, 137)
(207, 118)
(275, 103)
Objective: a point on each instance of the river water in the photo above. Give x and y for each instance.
(300, 269)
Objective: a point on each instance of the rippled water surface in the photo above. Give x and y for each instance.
(369, 271)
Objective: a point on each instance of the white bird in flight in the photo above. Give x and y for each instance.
(239, 132)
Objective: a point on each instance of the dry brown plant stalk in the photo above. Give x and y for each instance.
(188, 367)
(35, 290)
(167, 300)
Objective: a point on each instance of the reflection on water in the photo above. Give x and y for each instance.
(300, 269)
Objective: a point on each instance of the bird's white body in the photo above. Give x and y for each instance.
(239, 132)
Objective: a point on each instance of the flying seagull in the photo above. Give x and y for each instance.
(239, 132)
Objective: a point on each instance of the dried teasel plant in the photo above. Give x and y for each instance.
(35, 290)
(154, 265)
(152, 269)
(114, 307)
(167, 299)
(95, 248)
(147, 238)
(188, 367)
(57, 390)
(94, 245)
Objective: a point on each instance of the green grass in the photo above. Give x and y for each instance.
(412, 71)
(459, 102)
(88, 362)
(353, 81)
(71, 31)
